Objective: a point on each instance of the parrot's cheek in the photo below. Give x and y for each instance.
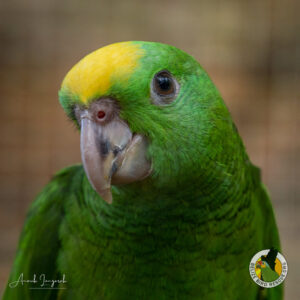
(111, 154)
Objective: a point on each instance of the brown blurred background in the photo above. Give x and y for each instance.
(251, 49)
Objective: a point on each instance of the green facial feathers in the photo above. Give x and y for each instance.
(194, 135)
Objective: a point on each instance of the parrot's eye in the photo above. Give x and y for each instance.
(164, 88)
(101, 114)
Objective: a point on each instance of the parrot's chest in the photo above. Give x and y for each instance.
(179, 260)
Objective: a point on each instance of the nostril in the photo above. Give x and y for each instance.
(101, 114)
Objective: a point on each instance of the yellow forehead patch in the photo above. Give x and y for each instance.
(92, 76)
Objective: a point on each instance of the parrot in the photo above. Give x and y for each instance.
(267, 274)
(267, 266)
(166, 203)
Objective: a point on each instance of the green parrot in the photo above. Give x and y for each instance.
(267, 274)
(267, 266)
(166, 204)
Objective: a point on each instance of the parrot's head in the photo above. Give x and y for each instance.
(147, 112)
(264, 264)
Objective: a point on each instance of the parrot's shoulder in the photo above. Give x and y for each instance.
(39, 243)
(254, 172)
(54, 193)
(68, 173)
(70, 170)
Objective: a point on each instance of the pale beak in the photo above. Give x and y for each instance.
(110, 153)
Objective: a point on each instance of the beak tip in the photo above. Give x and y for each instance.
(106, 196)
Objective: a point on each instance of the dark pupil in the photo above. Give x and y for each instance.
(164, 83)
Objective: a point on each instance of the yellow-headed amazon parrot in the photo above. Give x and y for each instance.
(166, 204)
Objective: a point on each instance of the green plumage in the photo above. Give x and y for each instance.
(268, 274)
(188, 231)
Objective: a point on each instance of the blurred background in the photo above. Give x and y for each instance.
(251, 49)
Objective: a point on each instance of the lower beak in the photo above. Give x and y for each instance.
(111, 154)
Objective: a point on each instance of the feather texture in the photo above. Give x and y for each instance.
(188, 231)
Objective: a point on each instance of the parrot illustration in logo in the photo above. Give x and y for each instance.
(267, 266)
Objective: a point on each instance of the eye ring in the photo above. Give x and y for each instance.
(164, 88)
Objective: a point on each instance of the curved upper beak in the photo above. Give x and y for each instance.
(110, 152)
